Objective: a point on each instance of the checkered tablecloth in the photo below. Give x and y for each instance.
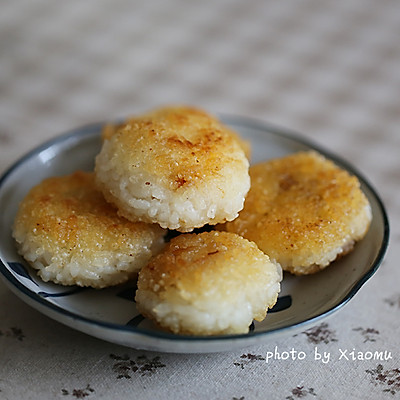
(328, 69)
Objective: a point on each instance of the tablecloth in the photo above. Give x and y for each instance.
(329, 70)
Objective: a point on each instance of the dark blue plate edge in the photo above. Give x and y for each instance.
(95, 128)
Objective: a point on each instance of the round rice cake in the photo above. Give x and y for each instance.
(303, 211)
(67, 231)
(177, 166)
(208, 284)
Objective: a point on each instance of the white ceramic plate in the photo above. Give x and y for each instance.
(111, 314)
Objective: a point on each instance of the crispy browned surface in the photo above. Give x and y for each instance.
(299, 205)
(187, 142)
(197, 264)
(69, 213)
(110, 129)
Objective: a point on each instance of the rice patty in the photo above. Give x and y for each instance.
(177, 167)
(303, 211)
(67, 231)
(207, 284)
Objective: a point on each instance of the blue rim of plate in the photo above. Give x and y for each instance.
(91, 129)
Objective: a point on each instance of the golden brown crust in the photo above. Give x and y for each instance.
(70, 212)
(184, 142)
(193, 263)
(174, 121)
(301, 205)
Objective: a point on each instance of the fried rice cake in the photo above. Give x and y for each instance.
(303, 211)
(209, 283)
(176, 166)
(67, 231)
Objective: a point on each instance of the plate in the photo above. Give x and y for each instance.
(110, 314)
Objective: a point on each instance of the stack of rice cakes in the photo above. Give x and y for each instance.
(180, 169)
